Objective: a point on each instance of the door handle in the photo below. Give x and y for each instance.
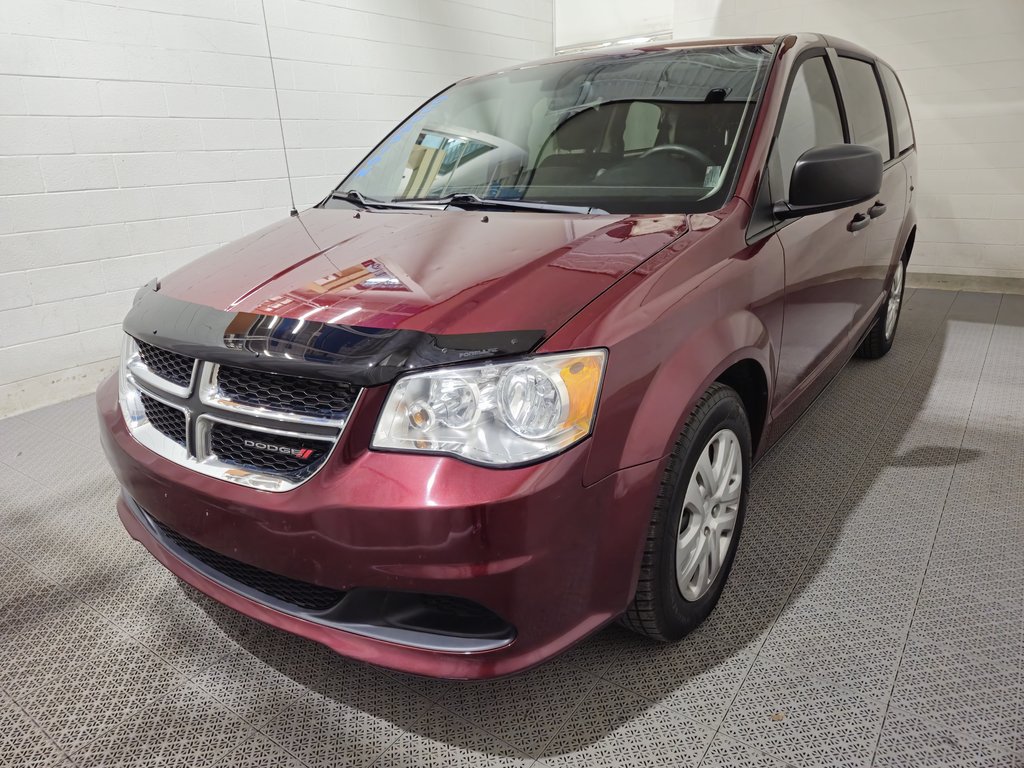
(858, 222)
(877, 209)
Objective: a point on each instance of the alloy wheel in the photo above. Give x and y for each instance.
(708, 519)
(892, 309)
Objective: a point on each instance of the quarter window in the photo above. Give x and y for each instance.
(811, 120)
(900, 112)
(864, 106)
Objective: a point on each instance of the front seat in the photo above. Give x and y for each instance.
(577, 159)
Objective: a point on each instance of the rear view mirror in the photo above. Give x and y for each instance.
(832, 177)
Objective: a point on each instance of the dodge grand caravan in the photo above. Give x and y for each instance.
(505, 384)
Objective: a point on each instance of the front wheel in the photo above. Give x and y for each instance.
(879, 339)
(696, 521)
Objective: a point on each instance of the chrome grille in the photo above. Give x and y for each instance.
(260, 451)
(166, 419)
(326, 400)
(168, 365)
(273, 433)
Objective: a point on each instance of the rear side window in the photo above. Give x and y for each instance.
(811, 120)
(864, 106)
(899, 109)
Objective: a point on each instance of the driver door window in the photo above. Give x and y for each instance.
(811, 120)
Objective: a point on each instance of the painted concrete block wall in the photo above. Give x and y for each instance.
(962, 66)
(579, 22)
(136, 135)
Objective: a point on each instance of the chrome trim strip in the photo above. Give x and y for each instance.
(150, 436)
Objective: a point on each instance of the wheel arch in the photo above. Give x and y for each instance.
(736, 350)
(908, 248)
(748, 378)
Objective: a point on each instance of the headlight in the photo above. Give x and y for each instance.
(496, 413)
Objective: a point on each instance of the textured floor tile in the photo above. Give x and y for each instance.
(977, 698)
(440, 739)
(910, 740)
(37, 452)
(729, 753)
(351, 724)
(73, 420)
(49, 625)
(85, 699)
(802, 718)
(848, 652)
(257, 751)
(184, 729)
(22, 743)
(429, 688)
(613, 727)
(524, 710)
(986, 628)
(250, 687)
(697, 677)
(184, 627)
(599, 652)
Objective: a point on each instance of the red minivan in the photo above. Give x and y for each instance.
(505, 385)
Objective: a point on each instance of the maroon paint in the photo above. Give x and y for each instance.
(553, 548)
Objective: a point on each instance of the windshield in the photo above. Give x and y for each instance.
(647, 132)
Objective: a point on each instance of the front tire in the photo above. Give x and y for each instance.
(879, 340)
(696, 522)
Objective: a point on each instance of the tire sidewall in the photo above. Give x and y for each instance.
(681, 615)
(903, 287)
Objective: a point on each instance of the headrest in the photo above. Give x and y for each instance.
(584, 130)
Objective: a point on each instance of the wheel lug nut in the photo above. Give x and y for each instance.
(707, 531)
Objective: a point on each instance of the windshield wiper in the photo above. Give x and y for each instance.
(469, 200)
(357, 197)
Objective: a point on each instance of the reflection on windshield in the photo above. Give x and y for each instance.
(655, 131)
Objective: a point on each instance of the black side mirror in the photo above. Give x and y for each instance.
(832, 177)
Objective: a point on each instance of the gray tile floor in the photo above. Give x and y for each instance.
(875, 614)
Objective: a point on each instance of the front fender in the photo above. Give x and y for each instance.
(656, 374)
(673, 386)
(671, 328)
(687, 375)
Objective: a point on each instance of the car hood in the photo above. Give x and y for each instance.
(438, 272)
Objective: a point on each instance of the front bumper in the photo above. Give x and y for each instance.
(550, 556)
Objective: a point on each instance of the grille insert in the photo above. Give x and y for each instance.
(308, 596)
(293, 457)
(170, 366)
(290, 394)
(167, 420)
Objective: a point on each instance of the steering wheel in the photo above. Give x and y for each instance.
(682, 149)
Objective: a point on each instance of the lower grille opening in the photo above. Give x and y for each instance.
(435, 622)
(298, 593)
(445, 615)
(166, 419)
(292, 457)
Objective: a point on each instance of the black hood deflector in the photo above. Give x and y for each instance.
(363, 356)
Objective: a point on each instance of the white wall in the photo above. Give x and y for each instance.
(962, 65)
(594, 21)
(136, 135)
